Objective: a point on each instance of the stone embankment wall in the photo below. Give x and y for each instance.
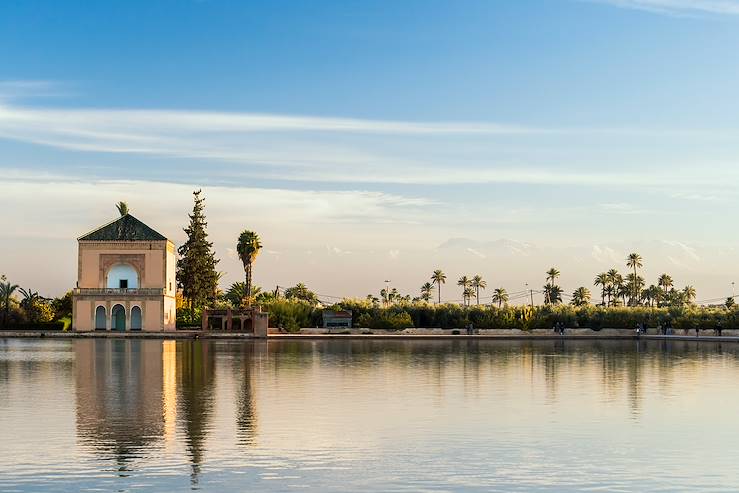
(503, 332)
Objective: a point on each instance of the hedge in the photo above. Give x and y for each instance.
(34, 326)
(292, 315)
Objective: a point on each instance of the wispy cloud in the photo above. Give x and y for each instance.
(125, 124)
(13, 90)
(344, 150)
(72, 199)
(678, 7)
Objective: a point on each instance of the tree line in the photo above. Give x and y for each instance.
(615, 290)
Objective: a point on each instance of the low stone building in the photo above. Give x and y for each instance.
(246, 320)
(337, 319)
(125, 279)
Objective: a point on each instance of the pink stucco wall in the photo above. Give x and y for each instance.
(155, 263)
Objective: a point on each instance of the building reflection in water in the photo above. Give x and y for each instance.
(169, 391)
(137, 396)
(119, 397)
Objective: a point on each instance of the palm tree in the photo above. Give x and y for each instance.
(467, 295)
(622, 290)
(635, 284)
(248, 247)
(689, 294)
(616, 282)
(426, 291)
(581, 296)
(6, 292)
(651, 295)
(122, 208)
(673, 297)
(613, 281)
(29, 300)
(464, 282)
(385, 296)
(610, 291)
(602, 281)
(552, 294)
(634, 261)
(665, 282)
(438, 278)
(236, 293)
(374, 300)
(500, 296)
(552, 275)
(478, 283)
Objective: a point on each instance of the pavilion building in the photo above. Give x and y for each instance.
(125, 279)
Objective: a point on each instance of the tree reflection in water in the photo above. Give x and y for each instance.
(195, 379)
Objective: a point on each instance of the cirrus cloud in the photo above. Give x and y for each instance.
(678, 7)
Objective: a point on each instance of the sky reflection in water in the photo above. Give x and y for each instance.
(135, 415)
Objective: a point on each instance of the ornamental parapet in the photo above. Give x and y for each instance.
(119, 291)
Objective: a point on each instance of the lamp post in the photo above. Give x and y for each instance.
(387, 292)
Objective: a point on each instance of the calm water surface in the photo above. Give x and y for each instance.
(133, 415)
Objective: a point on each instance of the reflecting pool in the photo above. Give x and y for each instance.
(359, 415)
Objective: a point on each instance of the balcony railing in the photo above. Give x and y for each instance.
(120, 291)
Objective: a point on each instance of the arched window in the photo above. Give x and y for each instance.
(123, 276)
(135, 318)
(118, 318)
(100, 318)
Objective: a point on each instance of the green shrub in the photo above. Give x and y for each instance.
(34, 326)
(385, 319)
(292, 314)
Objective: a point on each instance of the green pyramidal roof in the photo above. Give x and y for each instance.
(125, 228)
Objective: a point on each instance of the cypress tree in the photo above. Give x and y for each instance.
(196, 269)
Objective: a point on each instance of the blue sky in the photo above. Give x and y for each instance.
(369, 134)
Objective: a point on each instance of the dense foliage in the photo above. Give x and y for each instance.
(25, 308)
(292, 315)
